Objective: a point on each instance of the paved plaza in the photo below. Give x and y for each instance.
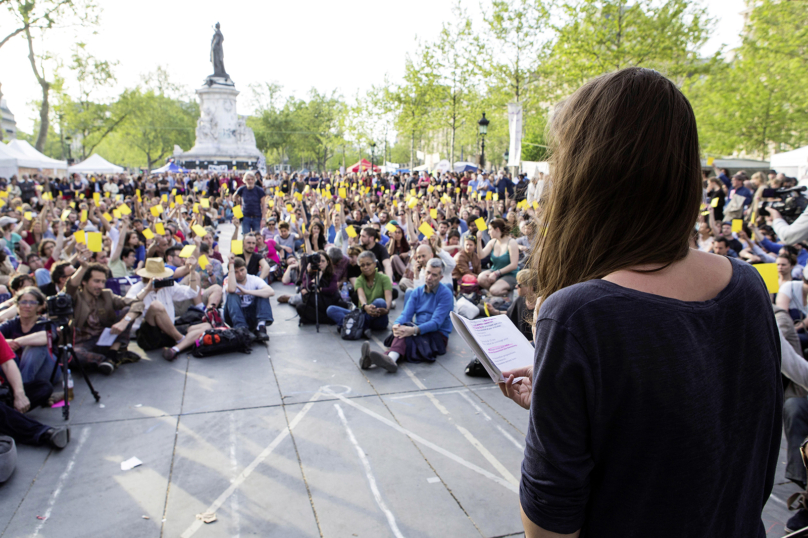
(291, 440)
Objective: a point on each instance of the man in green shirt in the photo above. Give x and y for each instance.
(375, 293)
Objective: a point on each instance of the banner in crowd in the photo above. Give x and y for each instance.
(515, 130)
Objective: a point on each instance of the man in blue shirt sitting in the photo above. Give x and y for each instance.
(252, 204)
(426, 338)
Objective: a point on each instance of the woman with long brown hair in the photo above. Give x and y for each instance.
(504, 251)
(399, 249)
(658, 402)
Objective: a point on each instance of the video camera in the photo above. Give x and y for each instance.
(313, 261)
(163, 283)
(60, 306)
(790, 205)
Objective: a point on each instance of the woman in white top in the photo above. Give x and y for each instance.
(534, 188)
(793, 296)
(705, 238)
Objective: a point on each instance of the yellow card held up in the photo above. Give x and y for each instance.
(97, 198)
(237, 212)
(196, 208)
(481, 226)
(390, 227)
(148, 234)
(351, 231)
(769, 273)
(457, 190)
(83, 215)
(179, 200)
(199, 230)
(125, 209)
(65, 214)
(173, 192)
(108, 217)
(187, 251)
(159, 228)
(338, 207)
(433, 213)
(205, 203)
(156, 210)
(94, 241)
(343, 193)
(79, 235)
(412, 203)
(535, 204)
(28, 215)
(495, 196)
(116, 213)
(164, 198)
(714, 202)
(203, 261)
(737, 225)
(426, 229)
(237, 246)
(710, 161)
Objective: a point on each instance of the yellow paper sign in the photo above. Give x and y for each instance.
(159, 228)
(481, 226)
(433, 213)
(714, 202)
(413, 202)
(79, 235)
(108, 217)
(148, 233)
(3, 194)
(199, 230)
(430, 189)
(343, 193)
(237, 246)
(535, 204)
(710, 161)
(196, 208)
(338, 208)
(737, 225)
(289, 208)
(237, 212)
(97, 198)
(488, 195)
(28, 215)
(94, 241)
(173, 192)
(351, 232)
(203, 261)
(495, 196)
(487, 313)
(187, 251)
(205, 203)
(65, 214)
(457, 190)
(116, 213)
(390, 227)
(769, 273)
(156, 210)
(179, 200)
(83, 215)
(426, 229)
(125, 210)
(298, 196)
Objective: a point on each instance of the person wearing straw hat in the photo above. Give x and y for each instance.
(158, 330)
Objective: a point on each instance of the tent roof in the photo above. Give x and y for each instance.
(170, 167)
(797, 157)
(9, 154)
(43, 161)
(96, 163)
(365, 164)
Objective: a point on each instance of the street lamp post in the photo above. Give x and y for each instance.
(69, 141)
(372, 156)
(483, 130)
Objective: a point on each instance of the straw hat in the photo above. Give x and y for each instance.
(155, 268)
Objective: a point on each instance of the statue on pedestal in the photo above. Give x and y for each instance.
(217, 54)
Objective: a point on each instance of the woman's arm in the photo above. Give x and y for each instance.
(482, 252)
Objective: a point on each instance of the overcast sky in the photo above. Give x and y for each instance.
(346, 45)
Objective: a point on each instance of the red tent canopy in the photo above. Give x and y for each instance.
(362, 166)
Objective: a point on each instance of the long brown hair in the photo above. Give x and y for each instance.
(626, 180)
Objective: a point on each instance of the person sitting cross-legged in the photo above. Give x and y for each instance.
(158, 329)
(375, 293)
(427, 337)
(247, 299)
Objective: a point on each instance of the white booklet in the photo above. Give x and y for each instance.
(497, 342)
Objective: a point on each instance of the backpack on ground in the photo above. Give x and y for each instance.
(353, 325)
(223, 340)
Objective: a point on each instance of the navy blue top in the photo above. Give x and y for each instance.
(652, 416)
(251, 200)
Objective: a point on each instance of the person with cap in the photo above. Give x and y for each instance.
(157, 329)
(94, 310)
(251, 199)
(247, 299)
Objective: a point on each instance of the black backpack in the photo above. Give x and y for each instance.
(353, 325)
(223, 340)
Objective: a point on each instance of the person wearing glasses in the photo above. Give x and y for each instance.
(374, 291)
(27, 337)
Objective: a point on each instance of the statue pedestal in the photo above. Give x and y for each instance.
(223, 139)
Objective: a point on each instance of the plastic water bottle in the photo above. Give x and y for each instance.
(69, 386)
(344, 293)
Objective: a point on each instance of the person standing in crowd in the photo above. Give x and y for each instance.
(252, 204)
(631, 331)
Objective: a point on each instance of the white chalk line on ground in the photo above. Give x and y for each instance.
(418, 439)
(234, 467)
(190, 531)
(391, 520)
(505, 434)
(85, 433)
(506, 474)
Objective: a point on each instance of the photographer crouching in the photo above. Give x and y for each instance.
(94, 310)
(787, 214)
(319, 289)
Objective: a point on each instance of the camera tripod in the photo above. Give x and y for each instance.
(63, 355)
(316, 292)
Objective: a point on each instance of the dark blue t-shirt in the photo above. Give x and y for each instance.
(251, 201)
(652, 416)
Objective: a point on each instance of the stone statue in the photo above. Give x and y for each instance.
(217, 54)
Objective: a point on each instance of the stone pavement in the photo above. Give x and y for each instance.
(423, 452)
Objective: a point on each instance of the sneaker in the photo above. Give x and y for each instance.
(106, 367)
(56, 437)
(367, 333)
(261, 334)
(798, 521)
(127, 356)
(383, 361)
(393, 305)
(169, 354)
(365, 362)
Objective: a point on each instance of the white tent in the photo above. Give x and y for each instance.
(792, 163)
(443, 166)
(34, 158)
(12, 160)
(95, 163)
(532, 168)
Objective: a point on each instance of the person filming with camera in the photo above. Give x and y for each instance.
(792, 232)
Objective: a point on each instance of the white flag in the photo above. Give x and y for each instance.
(515, 130)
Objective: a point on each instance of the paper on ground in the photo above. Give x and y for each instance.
(131, 463)
(106, 339)
(496, 342)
